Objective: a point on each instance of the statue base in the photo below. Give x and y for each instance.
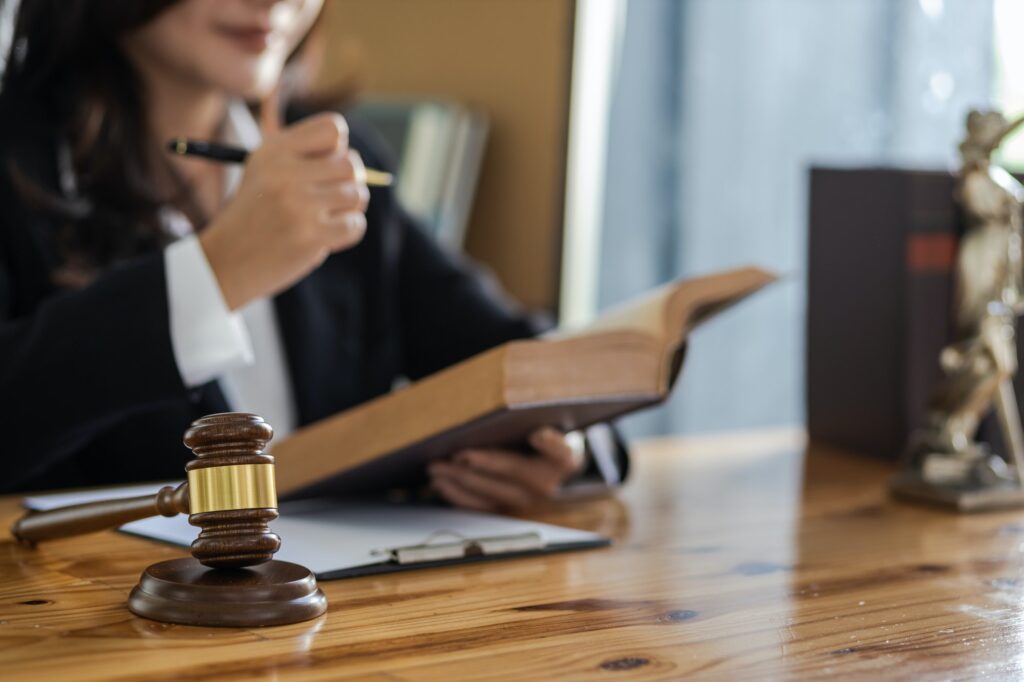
(184, 591)
(963, 497)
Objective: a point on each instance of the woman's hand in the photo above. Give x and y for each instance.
(303, 197)
(503, 480)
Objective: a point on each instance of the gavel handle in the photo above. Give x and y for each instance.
(90, 517)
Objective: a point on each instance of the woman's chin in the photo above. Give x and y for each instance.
(250, 84)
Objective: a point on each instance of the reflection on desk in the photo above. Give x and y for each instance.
(739, 556)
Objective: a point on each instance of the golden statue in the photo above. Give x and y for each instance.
(945, 462)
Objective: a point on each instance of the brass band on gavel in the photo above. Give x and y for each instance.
(240, 486)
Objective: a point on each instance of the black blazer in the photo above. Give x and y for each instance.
(89, 390)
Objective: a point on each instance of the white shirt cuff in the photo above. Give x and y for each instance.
(207, 338)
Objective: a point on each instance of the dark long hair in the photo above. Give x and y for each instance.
(66, 62)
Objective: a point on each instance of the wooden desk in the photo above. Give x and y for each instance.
(737, 558)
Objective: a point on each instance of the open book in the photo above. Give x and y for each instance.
(626, 360)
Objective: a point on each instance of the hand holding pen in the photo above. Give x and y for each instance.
(228, 154)
(303, 196)
(270, 124)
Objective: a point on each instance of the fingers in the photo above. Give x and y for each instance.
(358, 167)
(341, 182)
(500, 493)
(460, 497)
(538, 476)
(339, 167)
(564, 451)
(270, 113)
(504, 479)
(341, 197)
(344, 229)
(343, 205)
(321, 135)
(321, 197)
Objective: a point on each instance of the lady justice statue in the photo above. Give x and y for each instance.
(944, 462)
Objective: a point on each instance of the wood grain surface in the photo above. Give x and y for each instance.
(736, 558)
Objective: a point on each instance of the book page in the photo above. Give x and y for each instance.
(698, 298)
(644, 314)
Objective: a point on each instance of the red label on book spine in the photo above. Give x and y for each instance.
(931, 253)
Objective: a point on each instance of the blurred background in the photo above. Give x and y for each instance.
(611, 145)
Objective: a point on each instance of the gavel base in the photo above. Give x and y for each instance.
(184, 591)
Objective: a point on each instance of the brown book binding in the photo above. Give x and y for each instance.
(626, 360)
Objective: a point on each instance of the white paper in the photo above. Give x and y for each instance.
(327, 536)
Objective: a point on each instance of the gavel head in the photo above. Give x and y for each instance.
(232, 495)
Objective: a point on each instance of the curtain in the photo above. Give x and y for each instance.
(720, 108)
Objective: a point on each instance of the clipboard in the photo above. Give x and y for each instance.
(338, 539)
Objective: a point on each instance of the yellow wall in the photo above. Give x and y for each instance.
(510, 58)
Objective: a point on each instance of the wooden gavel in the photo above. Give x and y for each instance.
(230, 494)
(231, 579)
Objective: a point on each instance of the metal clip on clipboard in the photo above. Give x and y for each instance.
(461, 547)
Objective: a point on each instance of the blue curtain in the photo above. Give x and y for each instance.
(720, 109)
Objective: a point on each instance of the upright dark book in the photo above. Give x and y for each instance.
(882, 249)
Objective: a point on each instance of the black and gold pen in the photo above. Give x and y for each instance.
(228, 154)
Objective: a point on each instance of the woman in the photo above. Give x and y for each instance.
(140, 290)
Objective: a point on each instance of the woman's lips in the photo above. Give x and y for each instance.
(253, 40)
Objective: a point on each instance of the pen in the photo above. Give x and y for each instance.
(227, 154)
